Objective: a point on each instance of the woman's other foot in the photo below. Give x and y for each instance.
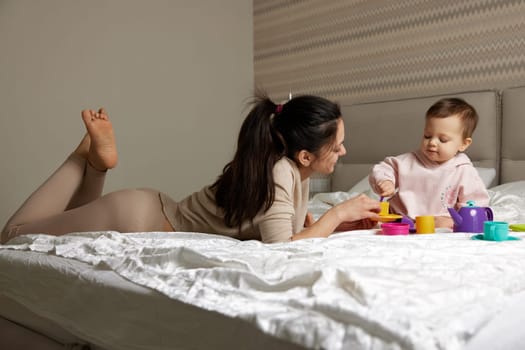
(83, 147)
(99, 140)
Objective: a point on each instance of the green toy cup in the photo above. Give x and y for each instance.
(495, 230)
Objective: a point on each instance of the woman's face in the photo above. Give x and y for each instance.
(325, 162)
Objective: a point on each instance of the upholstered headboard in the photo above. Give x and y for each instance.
(375, 130)
(513, 135)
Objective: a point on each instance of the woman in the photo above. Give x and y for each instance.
(261, 194)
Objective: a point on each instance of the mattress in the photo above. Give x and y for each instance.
(76, 303)
(358, 290)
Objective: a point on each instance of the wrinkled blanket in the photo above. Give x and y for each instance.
(354, 290)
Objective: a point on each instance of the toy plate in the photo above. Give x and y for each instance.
(389, 217)
(480, 238)
(517, 227)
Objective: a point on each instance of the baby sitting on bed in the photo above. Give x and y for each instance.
(438, 175)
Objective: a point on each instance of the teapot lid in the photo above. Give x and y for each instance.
(471, 204)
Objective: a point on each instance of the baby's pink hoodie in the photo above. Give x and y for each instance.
(428, 188)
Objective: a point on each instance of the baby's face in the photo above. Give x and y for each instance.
(443, 138)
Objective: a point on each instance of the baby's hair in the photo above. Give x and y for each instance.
(448, 107)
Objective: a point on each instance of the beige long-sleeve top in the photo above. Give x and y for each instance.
(200, 213)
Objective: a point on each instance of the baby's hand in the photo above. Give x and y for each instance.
(444, 221)
(387, 188)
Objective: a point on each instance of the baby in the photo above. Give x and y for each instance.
(438, 175)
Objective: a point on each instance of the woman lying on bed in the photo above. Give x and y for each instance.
(261, 194)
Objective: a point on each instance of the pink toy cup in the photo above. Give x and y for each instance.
(395, 228)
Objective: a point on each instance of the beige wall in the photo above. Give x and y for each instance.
(368, 50)
(362, 50)
(174, 76)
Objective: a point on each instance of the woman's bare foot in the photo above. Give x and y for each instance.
(102, 152)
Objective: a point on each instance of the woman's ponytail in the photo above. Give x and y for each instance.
(270, 132)
(246, 185)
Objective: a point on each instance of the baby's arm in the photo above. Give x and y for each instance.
(444, 221)
(386, 188)
(382, 177)
(472, 188)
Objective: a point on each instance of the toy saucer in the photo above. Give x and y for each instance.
(481, 238)
(389, 217)
(517, 227)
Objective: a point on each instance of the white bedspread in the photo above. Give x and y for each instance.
(354, 290)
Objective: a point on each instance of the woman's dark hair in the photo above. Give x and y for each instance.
(269, 132)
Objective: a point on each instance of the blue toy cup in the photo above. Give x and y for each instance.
(495, 230)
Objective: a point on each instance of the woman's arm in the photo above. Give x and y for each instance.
(363, 224)
(471, 188)
(357, 208)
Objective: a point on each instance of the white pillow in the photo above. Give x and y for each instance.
(516, 188)
(486, 174)
(362, 186)
(508, 202)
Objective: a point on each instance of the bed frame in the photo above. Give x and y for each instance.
(373, 131)
(512, 166)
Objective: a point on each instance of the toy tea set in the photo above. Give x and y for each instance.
(469, 218)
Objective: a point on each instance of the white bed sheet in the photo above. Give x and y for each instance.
(77, 303)
(354, 290)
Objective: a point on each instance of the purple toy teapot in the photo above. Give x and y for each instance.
(470, 218)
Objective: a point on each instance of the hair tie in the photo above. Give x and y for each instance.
(278, 108)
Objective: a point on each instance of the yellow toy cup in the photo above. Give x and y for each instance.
(425, 224)
(385, 208)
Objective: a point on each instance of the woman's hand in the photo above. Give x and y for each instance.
(357, 208)
(354, 209)
(309, 220)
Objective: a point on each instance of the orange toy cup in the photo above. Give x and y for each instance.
(425, 224)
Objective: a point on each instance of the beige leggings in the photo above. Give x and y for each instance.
(70, 201)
